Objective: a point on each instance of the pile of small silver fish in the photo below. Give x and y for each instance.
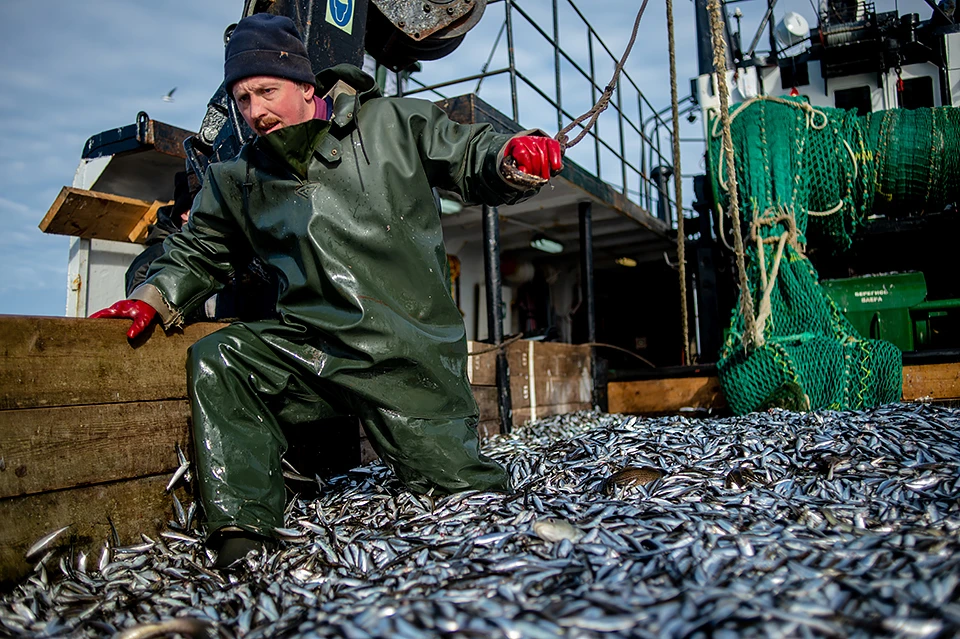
(773, 524)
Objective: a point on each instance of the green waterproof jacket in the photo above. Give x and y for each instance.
(343, 211)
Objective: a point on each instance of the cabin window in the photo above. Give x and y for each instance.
(917, 93)
(855, 98)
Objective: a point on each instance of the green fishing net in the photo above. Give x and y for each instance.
(805, 172)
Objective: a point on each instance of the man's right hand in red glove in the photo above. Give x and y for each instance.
(140, 312)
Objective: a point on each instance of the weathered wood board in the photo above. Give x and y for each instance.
(102, 216)
(657, 396)
(45, 449)
(934, 382)
(48, 362)
(134, 506)
(561, 375)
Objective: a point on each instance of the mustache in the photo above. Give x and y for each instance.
(266, 123)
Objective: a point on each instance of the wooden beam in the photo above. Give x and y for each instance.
(138, 234)
(934, 381)
(102, 216)
(134, 506)
(45, 449)
(47, 362)
(659, 396)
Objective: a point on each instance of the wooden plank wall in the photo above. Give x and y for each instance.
(89, 426)
(88, 429)
(921, 382)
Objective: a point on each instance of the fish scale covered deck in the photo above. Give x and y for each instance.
(773, 524)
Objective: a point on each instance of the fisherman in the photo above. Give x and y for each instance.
(334, 194)
(250, 294)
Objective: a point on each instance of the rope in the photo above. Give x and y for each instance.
(519, 336)
(617, 348)
(811, 112)
(497, 347)
(720, 65)
(508, 166)
(789, 236)
(677, 185)
(839, 205)
(604, 100)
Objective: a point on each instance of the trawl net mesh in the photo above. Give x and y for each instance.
(819, 171)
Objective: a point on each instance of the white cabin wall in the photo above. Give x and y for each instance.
(95, 268)
(883, 94)
(473, 281)
(471, 276)
(953, 66)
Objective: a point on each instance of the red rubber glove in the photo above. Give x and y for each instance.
(539, 156)
(140, 312)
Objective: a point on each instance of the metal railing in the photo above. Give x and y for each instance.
(637, 143)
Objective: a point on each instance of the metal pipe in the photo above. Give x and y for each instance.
(661, 174)
(491, 267)
(586, 266)
(512, 63)
(644, 199)
(763, 23)
(486, 65)
(593, 99)
(771, 25)
(586, 283)
(433, 87)
(556, 63)
(623, 147)
(704, 44)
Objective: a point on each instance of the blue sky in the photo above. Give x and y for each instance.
(73, 69)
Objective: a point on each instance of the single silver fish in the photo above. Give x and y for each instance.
(42, 543)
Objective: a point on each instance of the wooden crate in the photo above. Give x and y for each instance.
(545, 379)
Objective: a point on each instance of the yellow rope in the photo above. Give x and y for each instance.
(677, 185)
(720, 66)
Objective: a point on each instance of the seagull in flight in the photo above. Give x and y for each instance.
(169, 96)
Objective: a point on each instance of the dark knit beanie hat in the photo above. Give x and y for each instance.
(264, 44)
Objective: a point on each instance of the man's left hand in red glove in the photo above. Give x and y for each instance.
(140, 312)
(535, 155)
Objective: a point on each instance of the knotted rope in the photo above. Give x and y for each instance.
(720, 65)
(678, 185)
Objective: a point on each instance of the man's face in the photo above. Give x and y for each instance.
(268, 103)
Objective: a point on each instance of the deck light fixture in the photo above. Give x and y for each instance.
(626, 261)
(543, 243)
